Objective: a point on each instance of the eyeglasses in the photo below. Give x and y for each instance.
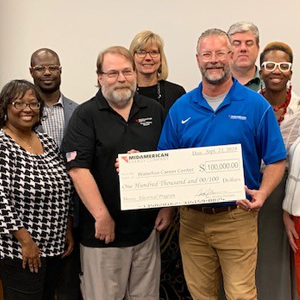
(19, 105)
(143, 53)
(51, 68)
(220, 55)
(271, 66)
(115, 74)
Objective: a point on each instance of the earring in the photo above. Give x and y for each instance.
(5, 118)
(262, 85)
(159, 72)
(289, 89)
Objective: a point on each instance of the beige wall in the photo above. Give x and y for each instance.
(78, 30)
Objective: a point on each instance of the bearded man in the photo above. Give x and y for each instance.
(221, 238)
(120, 257)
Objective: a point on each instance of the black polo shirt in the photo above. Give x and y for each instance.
(95, 136)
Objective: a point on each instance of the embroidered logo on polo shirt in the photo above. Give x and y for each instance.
(144, 121)
(186, 120)
(242, 118)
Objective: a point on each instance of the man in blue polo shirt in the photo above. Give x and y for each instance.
(223, 237)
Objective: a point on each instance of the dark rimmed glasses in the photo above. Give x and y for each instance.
(19, 105)
(115, 74)
(143, 53)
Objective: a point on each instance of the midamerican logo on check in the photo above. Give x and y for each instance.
(184, 121)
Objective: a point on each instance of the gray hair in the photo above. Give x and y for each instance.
(213, 32)
(241, 27)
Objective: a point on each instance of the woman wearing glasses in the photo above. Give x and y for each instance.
(274, 269)
(147, 49)
(35, 191)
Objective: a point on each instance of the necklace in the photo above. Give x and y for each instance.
(28, 144)
(158, 90)
(282, 106)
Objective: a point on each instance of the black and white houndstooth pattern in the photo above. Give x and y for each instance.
(35, 193)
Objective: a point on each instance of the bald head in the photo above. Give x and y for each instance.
(45, 70)
(42, 53)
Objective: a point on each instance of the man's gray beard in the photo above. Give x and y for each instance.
(117, 97)
(216, 81)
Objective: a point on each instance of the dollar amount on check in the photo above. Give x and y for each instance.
(181, 177)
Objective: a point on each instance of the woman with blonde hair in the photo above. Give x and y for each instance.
(150, 60)
(147, 49)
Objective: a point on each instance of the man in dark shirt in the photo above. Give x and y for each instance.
(244, 38)
(45, 69)
(119, 249)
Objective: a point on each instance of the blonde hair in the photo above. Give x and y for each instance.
(146, 38)
(276, 46)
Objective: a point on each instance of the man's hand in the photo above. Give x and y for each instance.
(117, 163)
(105, 228)
(290, 230)
(91, 197)
(258, 199)
(271, 178)
(164, 218)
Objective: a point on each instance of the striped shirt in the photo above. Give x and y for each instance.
(54, 121)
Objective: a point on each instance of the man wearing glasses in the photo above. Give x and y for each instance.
(120, 255)
(221, 238)
(45, 70)
(244, 38)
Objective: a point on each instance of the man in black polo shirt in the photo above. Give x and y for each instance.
(119, 249)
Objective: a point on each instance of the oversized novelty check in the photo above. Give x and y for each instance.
(181, 177)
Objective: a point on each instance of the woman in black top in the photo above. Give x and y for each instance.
(147, 49)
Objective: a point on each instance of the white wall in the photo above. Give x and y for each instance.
(79, 30)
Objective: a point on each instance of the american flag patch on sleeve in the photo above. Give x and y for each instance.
(71, 155)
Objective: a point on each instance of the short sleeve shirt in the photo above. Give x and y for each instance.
(244, 117)
(95, 136)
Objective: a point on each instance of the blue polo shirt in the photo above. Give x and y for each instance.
(244, 117)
